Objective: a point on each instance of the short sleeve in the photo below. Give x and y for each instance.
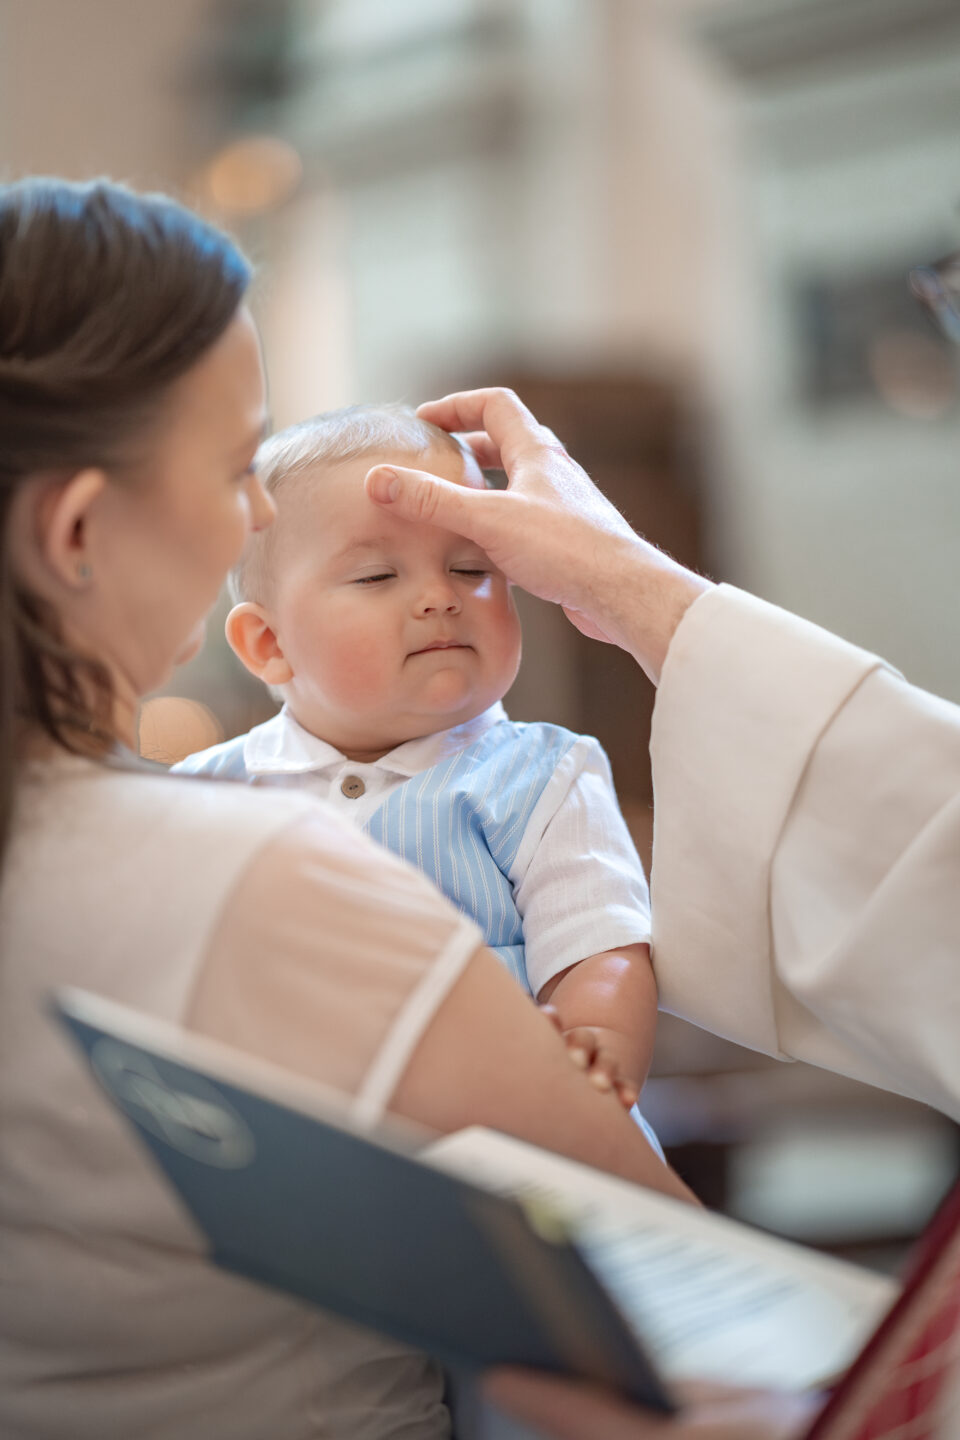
(331, 958)
(579, 882)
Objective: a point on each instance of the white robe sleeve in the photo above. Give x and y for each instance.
(806, 871)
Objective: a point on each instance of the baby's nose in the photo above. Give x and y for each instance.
(439, 598)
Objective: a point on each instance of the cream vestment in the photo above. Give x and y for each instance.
(264, 921)
(806, 869)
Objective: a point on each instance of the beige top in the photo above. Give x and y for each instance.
(806, 868)
(259, 919)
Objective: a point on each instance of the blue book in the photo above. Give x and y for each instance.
(290, 1194)
(479, 1249)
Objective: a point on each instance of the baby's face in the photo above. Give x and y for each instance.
(393, 630)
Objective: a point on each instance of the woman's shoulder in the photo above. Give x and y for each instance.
(128, 803)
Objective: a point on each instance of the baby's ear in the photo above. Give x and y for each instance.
(251, 636)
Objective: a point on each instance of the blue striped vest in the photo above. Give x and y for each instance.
(461, 822)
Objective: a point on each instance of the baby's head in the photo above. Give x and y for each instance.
(375, 630)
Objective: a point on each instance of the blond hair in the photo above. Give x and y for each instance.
(331, 438)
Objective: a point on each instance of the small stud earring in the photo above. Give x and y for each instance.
(84, 572)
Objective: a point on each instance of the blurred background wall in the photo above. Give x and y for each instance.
(682, 230)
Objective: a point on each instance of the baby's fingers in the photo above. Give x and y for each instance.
(604, 1072)
(553, 1015)
(586, 1049)
(582, 1046)
(587, 1053)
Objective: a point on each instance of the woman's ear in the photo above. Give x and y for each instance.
(63, 531)
(251, 636)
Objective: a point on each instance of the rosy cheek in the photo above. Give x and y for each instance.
(495, 604)
(352, 663)
(508, 631)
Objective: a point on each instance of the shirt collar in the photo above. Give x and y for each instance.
(282, 746)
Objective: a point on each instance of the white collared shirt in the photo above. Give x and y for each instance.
(569, 909)
(282, 752)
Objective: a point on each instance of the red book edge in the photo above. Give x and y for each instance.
(931, 1279)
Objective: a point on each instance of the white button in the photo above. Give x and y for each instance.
(352, 786)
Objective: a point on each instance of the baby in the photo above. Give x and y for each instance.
(392, 645)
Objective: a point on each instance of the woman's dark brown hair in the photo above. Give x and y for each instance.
(106, 298)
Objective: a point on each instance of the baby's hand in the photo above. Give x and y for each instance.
(594, 1050)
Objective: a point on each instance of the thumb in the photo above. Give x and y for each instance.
(417, 495)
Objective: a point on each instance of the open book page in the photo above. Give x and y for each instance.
(707, 1296)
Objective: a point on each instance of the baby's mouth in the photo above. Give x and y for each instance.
(441, 645)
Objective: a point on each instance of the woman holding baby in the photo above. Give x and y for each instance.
(131, 406)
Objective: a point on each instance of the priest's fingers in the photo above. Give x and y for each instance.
(507, 527)
(419, 496)
(551, 531)
(498, 413)
(487, 454)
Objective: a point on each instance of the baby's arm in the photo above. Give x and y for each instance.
(606, 1009)
(583, 898)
